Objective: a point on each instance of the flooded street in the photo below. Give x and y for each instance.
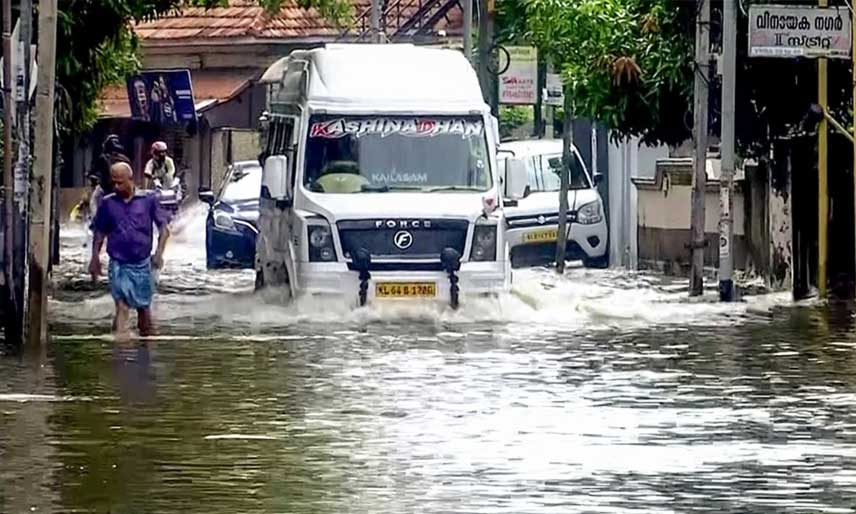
(597, 392)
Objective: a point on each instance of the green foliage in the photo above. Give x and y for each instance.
(512, 117)
(97, 46)
(627, 63)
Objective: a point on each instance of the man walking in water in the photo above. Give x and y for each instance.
(125, 218)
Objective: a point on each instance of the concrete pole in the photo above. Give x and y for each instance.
(822, 175)
(564, 183)
(22, 167)
(376, 37)
(697, 239)
(726, 179)
(468, 30)
(853, 65)
(12, 328)
(41, 190)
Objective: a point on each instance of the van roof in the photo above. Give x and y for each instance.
(528, 147)
(391, 75)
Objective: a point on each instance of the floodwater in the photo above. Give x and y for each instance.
(594, 392)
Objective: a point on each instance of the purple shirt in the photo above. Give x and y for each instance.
(128, 225)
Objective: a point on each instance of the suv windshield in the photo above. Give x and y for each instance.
(379, 154)
(244, 184)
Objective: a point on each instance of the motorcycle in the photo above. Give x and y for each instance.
(172, 197)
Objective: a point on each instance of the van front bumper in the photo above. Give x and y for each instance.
(474, 279)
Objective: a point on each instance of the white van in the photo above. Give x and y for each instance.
(380, 177)
(532, 225)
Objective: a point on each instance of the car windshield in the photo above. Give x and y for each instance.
(380, 154)
(550, 165)
(244, 184)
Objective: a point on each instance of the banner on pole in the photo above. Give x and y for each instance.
(162, 97)
(554, 93)
(799, 31)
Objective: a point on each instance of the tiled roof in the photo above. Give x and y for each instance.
(245, 19)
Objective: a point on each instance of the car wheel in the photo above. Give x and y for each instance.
(601, 262)
(260, 280)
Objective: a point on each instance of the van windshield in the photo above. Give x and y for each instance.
(360, 154)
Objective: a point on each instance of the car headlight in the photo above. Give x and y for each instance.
(484, 243)
(223, 220)
(321, 243)
(590, 214)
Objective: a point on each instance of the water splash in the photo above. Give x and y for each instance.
(192, 297)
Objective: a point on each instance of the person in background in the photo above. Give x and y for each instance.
(160, 167)
(125, 219)
(112, 152)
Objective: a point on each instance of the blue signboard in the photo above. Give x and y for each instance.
(162, 97)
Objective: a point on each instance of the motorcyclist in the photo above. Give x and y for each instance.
(112, 152)
(160, 170)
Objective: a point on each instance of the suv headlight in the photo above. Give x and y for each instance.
(321, 247)
(484, 243)
(223, 220)
(590, 213)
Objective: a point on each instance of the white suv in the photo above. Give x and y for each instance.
(532, 220)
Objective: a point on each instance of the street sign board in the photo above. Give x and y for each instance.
(519, 83)
(554, 94)
(162, 97)
(799, 31)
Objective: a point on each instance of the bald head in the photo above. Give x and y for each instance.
(122, 177)
(122, 168)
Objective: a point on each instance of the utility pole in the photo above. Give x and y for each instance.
(376, 37)
(486, 78)
(22, 167)
(42, 184)
(726, 178)
(697, 239)
(12, 326)
(822, 175)
(853, 66)
(564, 183)
(468, 30)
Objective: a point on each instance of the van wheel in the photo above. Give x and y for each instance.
(601, 262)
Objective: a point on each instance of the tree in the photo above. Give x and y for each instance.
(99, 47)
(627, 63)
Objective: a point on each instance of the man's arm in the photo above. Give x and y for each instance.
(148, 171)
(163, 236)
(161, 220)
(95, 261)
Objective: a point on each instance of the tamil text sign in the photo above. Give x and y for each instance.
(799, 31)
(519, 83)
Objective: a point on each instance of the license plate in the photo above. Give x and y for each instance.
(541, 236)
(406, 290)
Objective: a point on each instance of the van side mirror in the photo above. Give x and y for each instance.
(206, 195)
(494, 129)
(276, 179)
(598, 178)
(516, 179)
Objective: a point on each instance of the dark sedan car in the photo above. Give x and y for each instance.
(231, 230)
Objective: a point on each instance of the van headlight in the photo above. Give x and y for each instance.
(223, 221)
(484, 243)
(590, 213)
(321, 247)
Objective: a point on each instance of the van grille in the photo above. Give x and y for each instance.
(378, 237)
